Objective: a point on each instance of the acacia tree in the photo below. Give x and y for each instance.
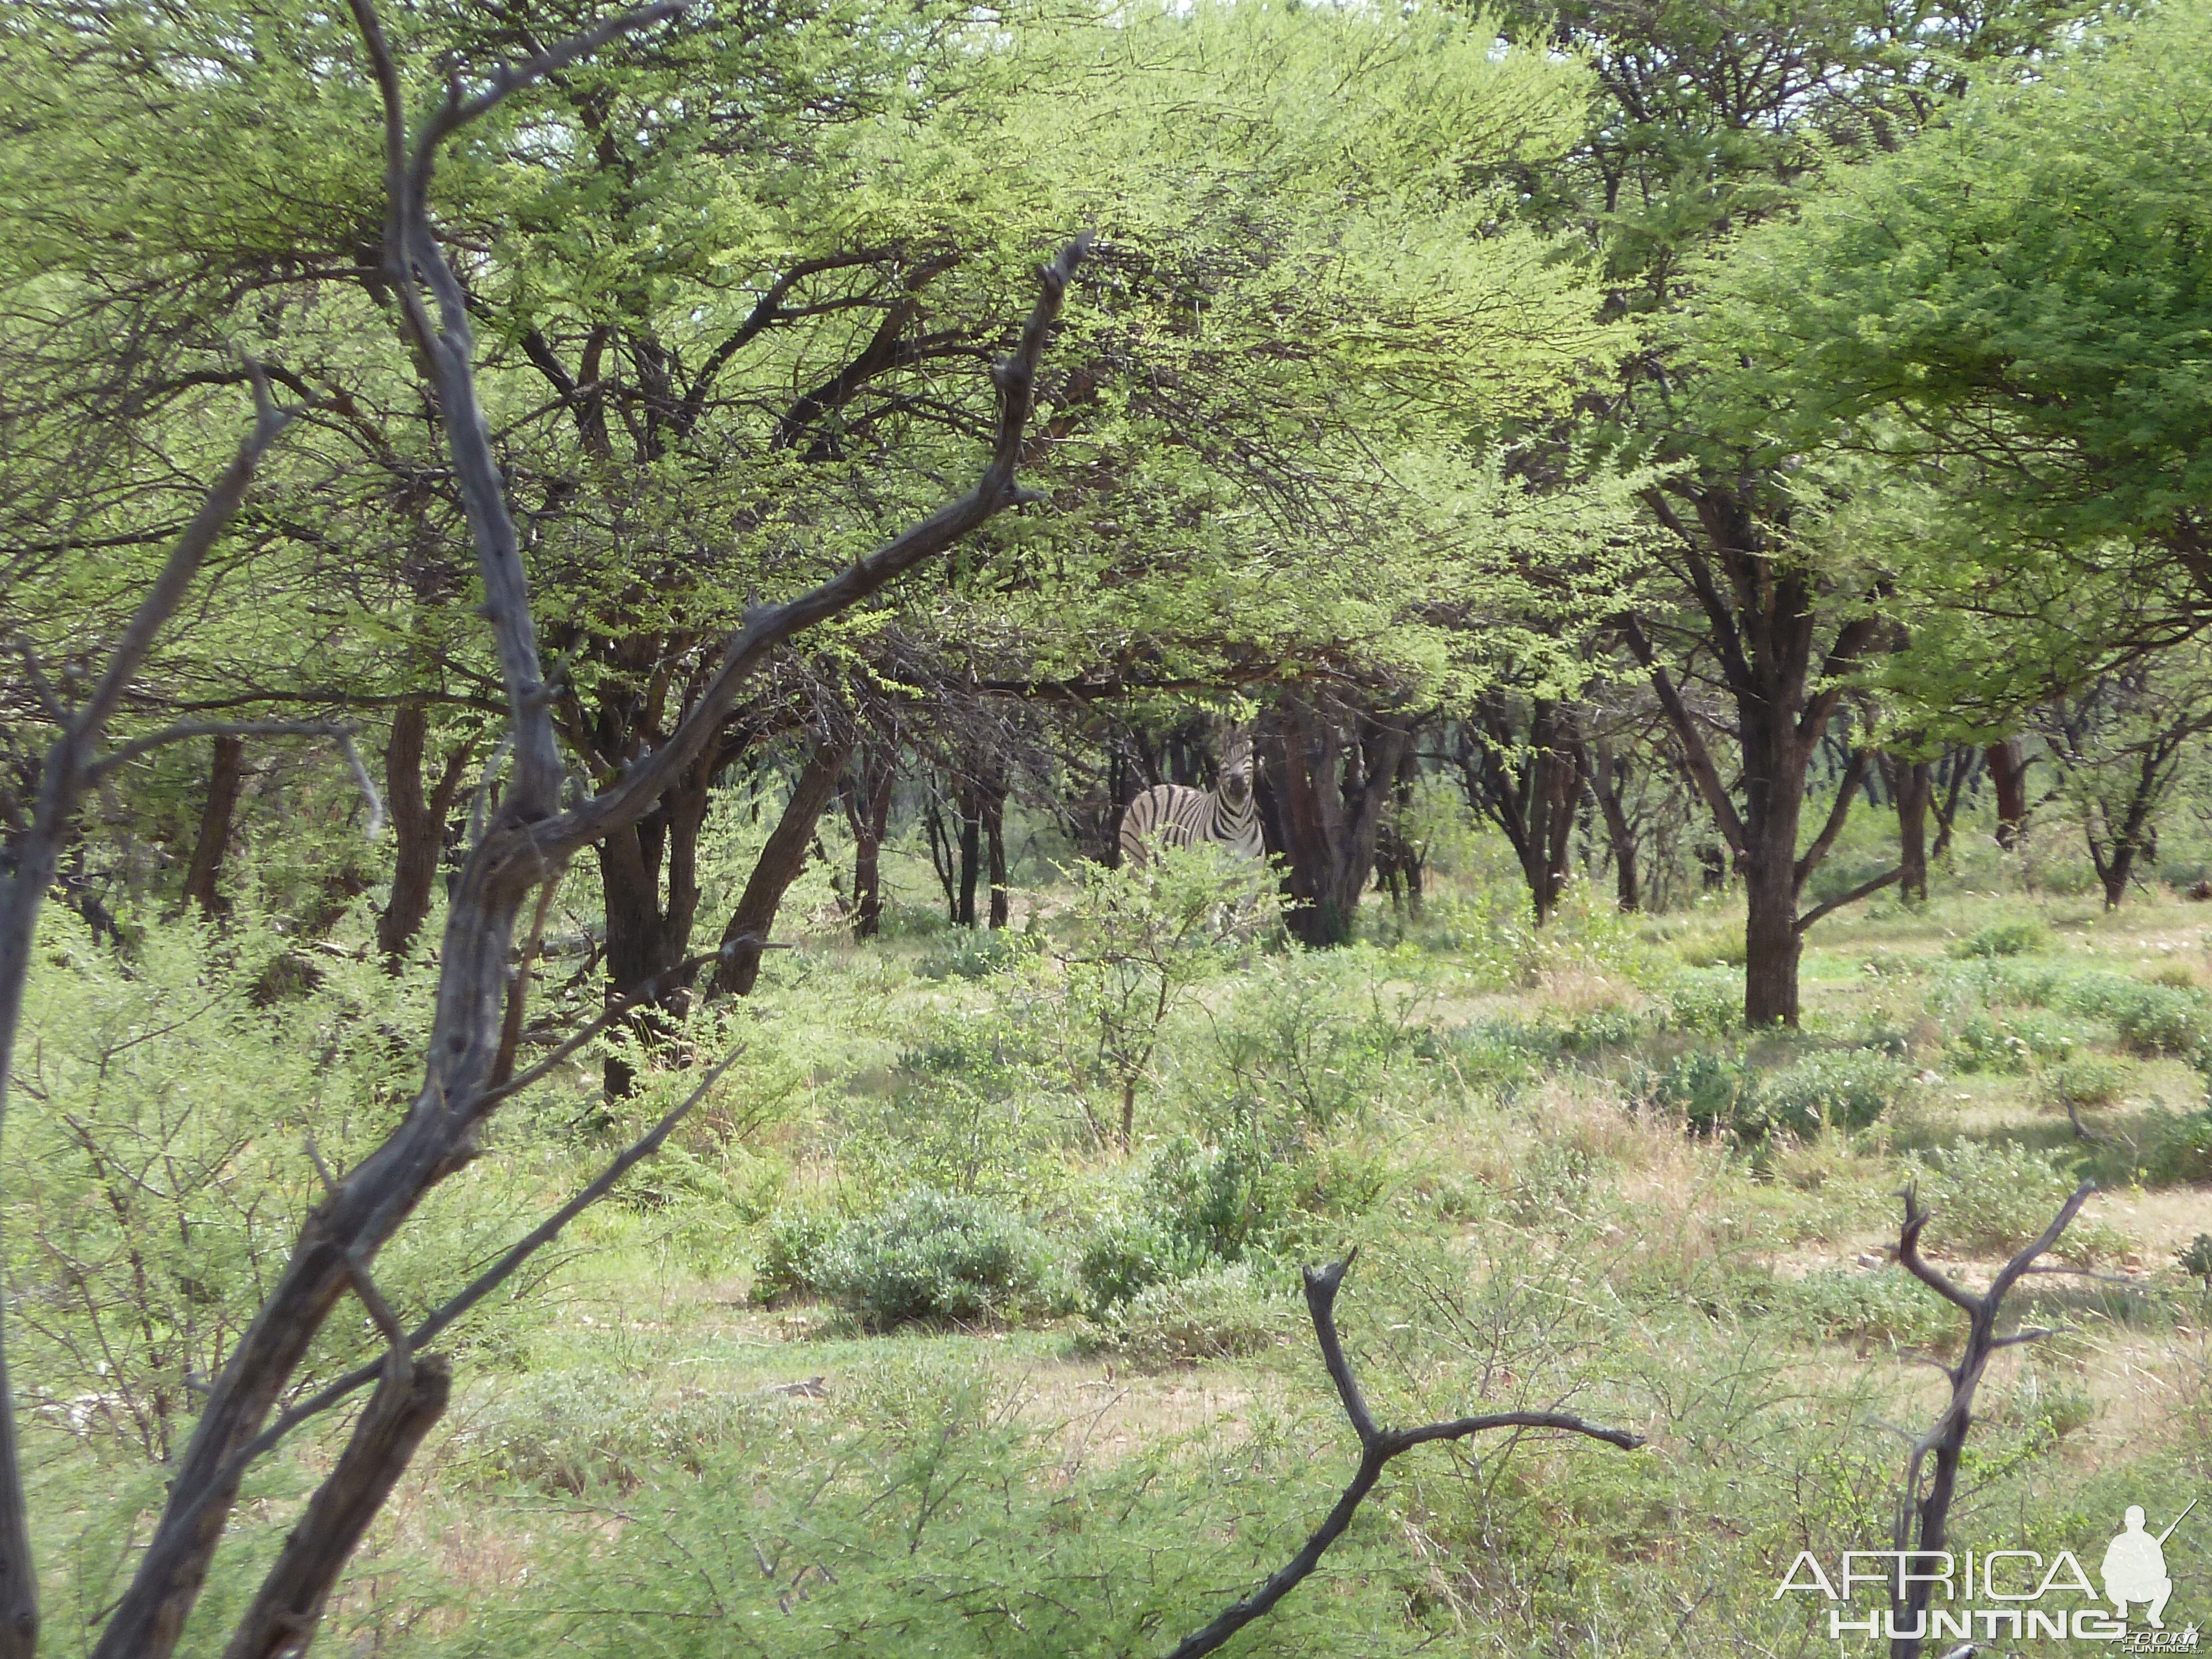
(528, 838)
(1713, 116)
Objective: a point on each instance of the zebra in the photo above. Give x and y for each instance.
(1174, 815)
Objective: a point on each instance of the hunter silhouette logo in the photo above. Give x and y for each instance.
(2135, 1567)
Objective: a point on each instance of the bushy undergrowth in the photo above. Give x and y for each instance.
(1572, 1177)
(1992, 1199)
(1719, 1093)
(926, 1255)
(1224, 1312)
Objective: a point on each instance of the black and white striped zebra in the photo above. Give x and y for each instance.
(1174, 815)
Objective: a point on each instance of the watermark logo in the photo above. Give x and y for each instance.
(2015, 1594)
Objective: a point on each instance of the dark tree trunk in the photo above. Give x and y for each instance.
(1400, 864)
(2116, 851)
(418, 827)
(1912, 785)
(2008, 777)
(1608, 781)
(995, 840)
(779, 865)
(2116, 867)
(1953, 774)
(971, 853)
(647, 937)
(1531, 787)
(1763, 615)
(402, 1411)
(1332, 801)
(867, 797)
(1771, 943)
(226, 780)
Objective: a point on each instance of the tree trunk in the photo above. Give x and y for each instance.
(647, 937)
(418, 827)
(779, 865)
(1763, 615)
(1771, 943)
(225, 781)
(2114, 869)
(1608, 781)
(2008, 777)
(1400, 864)
(1532, 789)
(867, 797)
(282, 1619)
(1952, 776)
(971, 855)
(1331, 802)
(1913, 786)
(995, 838)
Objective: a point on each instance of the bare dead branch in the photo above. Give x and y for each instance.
(1923, 1517)
(1377, 1446)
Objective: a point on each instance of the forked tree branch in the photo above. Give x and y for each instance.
(455, 1307)
(1923, 1517)
(405, 1406)
(1854, 775)
(1377, 1446)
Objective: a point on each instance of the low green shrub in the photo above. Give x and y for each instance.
(977, 953)
(2012, 1041)
(1707, 1004)
(1712, 1091)
(1128, 1254)
(1886, 1306)
(1594, 1030)
(1322, 1038)
(2093, 1081)
(1841, 1089)
(1498, 1057)
(933, 1255)
(2173, 1147)
(1991, 1199)
(2159, 1020)
(1845, 1089)
(791, 1255)
(1219, 1201)
(1222, 1314)
(566, 1433)
(2151, 1019)
(2003, 938)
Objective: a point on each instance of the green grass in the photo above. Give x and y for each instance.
(893, 1355)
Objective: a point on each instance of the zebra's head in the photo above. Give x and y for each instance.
(1236, 763)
